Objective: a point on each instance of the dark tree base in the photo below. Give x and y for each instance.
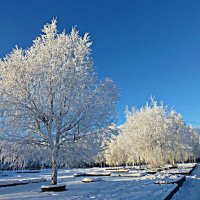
(53, 188)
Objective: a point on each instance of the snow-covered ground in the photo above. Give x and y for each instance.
(191, 188)
(110, 187)
(178, 171)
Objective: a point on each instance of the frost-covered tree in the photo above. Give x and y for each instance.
(116, 153)
(50, 93)
(107, 137)
(15, 155)
(195, 142)
(153, 134)
(179, 140)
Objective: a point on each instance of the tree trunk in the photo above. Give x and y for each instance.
(139, 163)
(173, 162)
(54, 166)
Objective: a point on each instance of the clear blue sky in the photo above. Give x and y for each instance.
(149, 47)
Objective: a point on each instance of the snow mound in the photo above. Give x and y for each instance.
(88, 180)
(98, 174)
(10, 183)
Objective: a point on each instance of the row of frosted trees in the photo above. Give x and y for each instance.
(16, 155)
(153, 134)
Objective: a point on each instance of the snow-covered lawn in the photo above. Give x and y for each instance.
(117, 188)
(109, 187)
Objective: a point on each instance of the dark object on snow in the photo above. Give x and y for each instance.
(29, 171)
(129, 174)
(116, 168)
(93, 174)
(151, 172)
(173, 166)
(120, 171)
(79, 174)
(53, 188)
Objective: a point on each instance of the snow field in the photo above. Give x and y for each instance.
(109, 187)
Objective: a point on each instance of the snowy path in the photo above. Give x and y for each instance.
(191, 188)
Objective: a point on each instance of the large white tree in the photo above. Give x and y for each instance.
(153, 134)
(50, 93)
